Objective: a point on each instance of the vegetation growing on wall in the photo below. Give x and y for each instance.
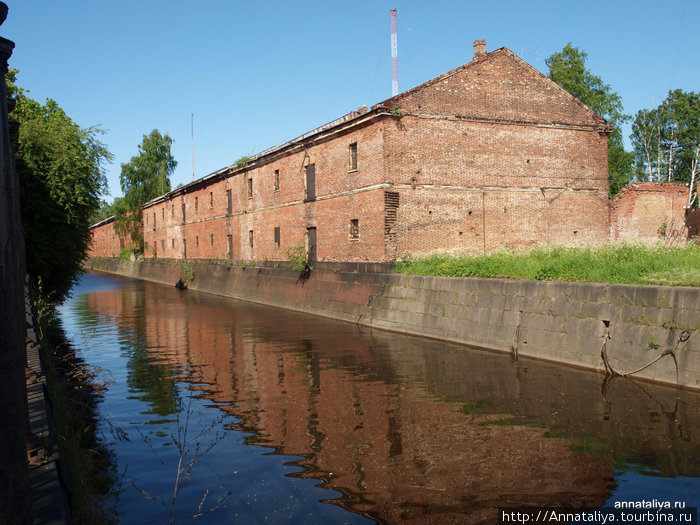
(297, 256)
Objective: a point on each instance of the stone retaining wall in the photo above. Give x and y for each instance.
(580, 324)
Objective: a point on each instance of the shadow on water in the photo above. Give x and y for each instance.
(401, 428)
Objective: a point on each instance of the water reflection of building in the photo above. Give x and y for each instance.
(378, 418)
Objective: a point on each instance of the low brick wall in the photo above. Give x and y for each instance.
(570, 323)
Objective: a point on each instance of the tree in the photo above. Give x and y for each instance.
(666, 141)
(61, 179)
(144, 177)
(568, 69)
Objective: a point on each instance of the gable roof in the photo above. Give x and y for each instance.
(473, 70)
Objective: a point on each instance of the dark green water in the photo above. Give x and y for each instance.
(271, 416)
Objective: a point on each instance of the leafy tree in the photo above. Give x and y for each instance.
(61, 174)
(666, 141)
(568, 69)
(144, 177)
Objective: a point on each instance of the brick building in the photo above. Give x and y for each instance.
(488, 155)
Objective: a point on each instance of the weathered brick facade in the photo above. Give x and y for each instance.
(105, 242)
(491, 154)
(649, 210)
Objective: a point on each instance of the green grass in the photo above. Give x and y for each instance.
(621, 263)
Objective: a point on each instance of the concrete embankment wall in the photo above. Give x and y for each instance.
(621, 327)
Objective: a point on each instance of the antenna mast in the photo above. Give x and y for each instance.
(192, 131)
(394, 56)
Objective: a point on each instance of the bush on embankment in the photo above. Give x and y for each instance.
(620, 263)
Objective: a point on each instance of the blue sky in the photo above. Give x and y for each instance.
(256, 74)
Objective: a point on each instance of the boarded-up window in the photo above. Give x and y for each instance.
(311, 182)
(277, 236)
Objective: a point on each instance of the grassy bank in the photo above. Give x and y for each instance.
(623, 263)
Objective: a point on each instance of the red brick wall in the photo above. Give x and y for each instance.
(341, 195)
(641, 209)
(499, 86)
(105, 242)
(492, 154)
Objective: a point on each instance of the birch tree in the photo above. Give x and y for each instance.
(666, 141)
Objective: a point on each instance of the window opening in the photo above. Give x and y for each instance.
(277, 236)
(311, 182)
(352, 162)
(354, 229)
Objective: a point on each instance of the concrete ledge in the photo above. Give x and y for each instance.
(50, 503)
(561, 322)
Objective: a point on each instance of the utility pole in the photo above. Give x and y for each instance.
(394, 56)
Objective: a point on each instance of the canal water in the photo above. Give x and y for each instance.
(231, 412)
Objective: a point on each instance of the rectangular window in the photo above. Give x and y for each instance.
(229, 240)
(211, 240)
(163, 210)
(196, 204)
(154, 221)
(196, 241)
(229, 203)
(172, 211)
(352, 161)
(277, 180)
(162, 244)
(354, 229)
(250, 188)
(250, 238)
(172, 242)
(211, 199)
(311, 182)
(277, 236)
(183, 212)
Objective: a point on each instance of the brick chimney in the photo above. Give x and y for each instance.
(479, 48)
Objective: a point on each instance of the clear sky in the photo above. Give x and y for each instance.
(256, 74)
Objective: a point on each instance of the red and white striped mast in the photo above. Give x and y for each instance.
(394, 56)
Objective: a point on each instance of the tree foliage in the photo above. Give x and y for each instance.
(568, 69)
(666, 141)
(61, 174)
(143, 178)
